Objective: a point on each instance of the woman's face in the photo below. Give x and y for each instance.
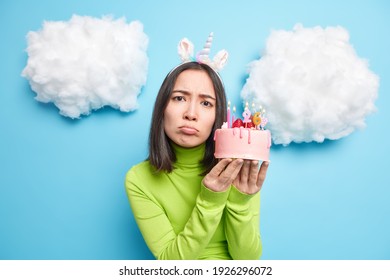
(190, 113)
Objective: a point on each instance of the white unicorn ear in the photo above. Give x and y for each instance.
(220, 60)
(185, 50)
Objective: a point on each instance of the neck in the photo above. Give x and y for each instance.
(188, 157)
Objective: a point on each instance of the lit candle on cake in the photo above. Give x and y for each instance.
(247, 115)
(234, 112)
(257, 120)
(228, 115)
(264, 120)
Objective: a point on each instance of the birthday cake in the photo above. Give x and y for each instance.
(246, 139)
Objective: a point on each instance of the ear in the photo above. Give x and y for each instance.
(185, 50)
(220, 59)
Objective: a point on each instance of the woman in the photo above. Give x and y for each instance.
(186, 204)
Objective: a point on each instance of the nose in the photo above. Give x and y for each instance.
(191, 114)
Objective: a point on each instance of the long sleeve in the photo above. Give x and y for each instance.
(158, 213)
(242, 225)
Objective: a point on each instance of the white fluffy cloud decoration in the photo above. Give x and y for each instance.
(312, 84)
(87, 63)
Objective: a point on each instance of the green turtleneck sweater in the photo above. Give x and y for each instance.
(180, 218)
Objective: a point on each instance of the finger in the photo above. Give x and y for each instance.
(253, 173)
(220, 167)
(245, 171)
(232, 170)
(262, 173)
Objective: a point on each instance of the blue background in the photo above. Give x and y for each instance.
(62, 181)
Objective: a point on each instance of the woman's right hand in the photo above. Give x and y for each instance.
(223, 174)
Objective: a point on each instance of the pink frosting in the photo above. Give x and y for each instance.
(242, 143)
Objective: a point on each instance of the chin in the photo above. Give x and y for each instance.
(189, 144)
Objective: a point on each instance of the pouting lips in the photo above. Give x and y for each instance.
(188, 130)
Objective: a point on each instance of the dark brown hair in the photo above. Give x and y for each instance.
(161, 154)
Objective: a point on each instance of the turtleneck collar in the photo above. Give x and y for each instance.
(188, 157)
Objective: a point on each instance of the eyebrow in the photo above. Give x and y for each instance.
(185, 92)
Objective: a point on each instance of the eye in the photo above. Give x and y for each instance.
(178, 98)
(207, 104)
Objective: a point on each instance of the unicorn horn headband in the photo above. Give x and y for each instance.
(186, 53)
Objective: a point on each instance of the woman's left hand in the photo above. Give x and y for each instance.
(251, 178)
